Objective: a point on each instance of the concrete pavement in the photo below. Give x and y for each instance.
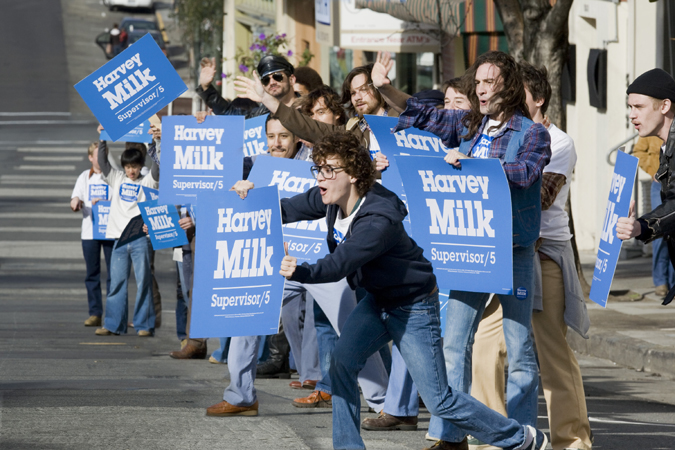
(636, 334)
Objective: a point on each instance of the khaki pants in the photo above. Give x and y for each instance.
(559, 369)
(560, 373)
(489, 353)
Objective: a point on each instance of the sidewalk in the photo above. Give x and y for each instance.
(637, 334)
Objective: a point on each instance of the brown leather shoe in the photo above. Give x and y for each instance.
(445, 445)
(309, 384)
(93, 321)
(190, 351)
(295, 385)
(224, 409)
(316, 399)
(388, 422)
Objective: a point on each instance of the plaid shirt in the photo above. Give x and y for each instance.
(532, 156)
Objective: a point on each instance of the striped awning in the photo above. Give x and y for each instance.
(477, 21)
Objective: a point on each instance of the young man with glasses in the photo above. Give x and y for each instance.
(276, 75)
(370, 247)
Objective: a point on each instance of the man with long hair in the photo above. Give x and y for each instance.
(498, 125)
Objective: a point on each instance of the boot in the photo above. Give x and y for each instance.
(276, 365)
(194, 349)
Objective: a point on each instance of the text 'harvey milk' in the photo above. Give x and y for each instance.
(458, 217)
(246, 257)
(124, 86)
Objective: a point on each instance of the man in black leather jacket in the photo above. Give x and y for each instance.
(651, 98)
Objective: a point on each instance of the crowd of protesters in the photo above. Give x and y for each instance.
(384, 335)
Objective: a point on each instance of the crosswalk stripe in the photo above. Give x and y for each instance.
(53, 158)
(36, 193)
(50, 168)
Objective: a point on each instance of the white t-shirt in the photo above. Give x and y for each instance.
(342, 224)
(554, 221)
(125, 197)
(481, 148)
(88, 188)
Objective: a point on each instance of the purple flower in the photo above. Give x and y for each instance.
(283, 35)
(263, 48)
(243, 68)
(290, 53)
(261, 37)
(223, 75)
(253, 47)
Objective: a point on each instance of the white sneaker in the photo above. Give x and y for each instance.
(539, 439)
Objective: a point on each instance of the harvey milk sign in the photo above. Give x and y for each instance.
(255, 137)
(306, 239)
(131, 87)
(163, 227)
(237, 286)
(620, 192)
(200, 157)
(462, 220)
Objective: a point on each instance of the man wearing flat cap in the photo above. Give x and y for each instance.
(651, 98)
(275, 72)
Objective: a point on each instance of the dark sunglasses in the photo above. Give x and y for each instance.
(278, 77)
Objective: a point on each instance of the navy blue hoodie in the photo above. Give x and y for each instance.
(377, 254)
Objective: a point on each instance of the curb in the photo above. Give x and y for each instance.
(634, 353)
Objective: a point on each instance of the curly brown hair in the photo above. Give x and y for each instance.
(509, 100)
(355, 157)
(330, 99)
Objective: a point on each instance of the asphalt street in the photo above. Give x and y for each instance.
(62, 387)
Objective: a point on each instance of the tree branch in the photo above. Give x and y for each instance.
(559, 15)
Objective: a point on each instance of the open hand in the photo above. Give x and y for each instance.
(250, 88)
(207, 72)
(383, 64)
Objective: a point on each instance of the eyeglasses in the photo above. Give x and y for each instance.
(363, 90)
(278, 77)
(328, 172)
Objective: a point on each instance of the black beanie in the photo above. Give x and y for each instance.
(656, 83)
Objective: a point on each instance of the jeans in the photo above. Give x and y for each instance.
(242, 359)
(326, 338)
(220, 354)
(92, 259)
(465, 310)
(116, 307)
(184, 271)
(401, 399)
(297, 316)
(662, 268)
(415, 330)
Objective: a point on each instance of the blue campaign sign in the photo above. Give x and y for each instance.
(462, 220)
(406, 142)
(131, 87)
(99, 216)
(150, 193)
(197, 158)
(237, 287)
(138, 134)
(620, 192)
(163, 227)
(306, 239)
(255, 138)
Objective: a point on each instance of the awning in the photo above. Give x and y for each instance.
(477, 21)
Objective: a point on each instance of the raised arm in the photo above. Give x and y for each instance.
(444, 123)
(103, 162)
(206, 91)
(394, 98)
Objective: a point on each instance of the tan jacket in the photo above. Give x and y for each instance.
(648, 151)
